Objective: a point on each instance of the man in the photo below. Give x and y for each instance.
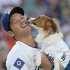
(21, 56)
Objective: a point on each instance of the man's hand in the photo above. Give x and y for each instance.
(45, 62)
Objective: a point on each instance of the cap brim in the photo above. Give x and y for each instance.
(5, 22)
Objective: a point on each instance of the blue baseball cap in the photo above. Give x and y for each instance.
(6, 17)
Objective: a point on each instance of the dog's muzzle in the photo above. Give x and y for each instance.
(30, 19)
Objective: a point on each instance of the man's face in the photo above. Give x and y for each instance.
(18, 24)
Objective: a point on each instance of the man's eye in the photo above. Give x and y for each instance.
(15, 22)
(21, 17)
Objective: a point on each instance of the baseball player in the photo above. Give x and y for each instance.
(22, 55)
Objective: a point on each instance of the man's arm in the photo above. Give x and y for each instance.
(17, 64)
(45, 62)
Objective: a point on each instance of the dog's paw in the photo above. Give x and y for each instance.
(38, 58)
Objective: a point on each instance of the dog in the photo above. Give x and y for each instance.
(50, 41)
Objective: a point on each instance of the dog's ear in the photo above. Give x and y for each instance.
(51, 24)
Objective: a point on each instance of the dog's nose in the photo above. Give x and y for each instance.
(28, 18)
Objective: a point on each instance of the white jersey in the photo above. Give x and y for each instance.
(21, 57)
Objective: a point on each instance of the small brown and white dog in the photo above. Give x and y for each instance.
(50, 41)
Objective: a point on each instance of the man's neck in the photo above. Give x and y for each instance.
(27, 40)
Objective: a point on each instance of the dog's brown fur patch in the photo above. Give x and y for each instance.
(46, 23)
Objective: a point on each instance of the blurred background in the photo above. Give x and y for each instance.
(58, 9)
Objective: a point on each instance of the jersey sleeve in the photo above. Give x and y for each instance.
(17, 64)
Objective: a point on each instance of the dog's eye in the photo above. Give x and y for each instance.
(50, 20)
(28, 18)
(34, 23)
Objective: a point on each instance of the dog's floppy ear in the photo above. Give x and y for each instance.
(51, 24)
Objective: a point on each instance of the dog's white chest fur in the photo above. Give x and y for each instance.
(40, 37)
(39, 40)
(53, 45)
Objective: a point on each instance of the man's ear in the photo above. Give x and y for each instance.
(11, 33)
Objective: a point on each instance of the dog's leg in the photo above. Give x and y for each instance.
(38, 58)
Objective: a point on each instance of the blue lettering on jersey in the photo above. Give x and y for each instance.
(63, 56)
(19, 63)
(36, 68)
(51, 58)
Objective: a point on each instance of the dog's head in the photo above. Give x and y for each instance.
(45, 22)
